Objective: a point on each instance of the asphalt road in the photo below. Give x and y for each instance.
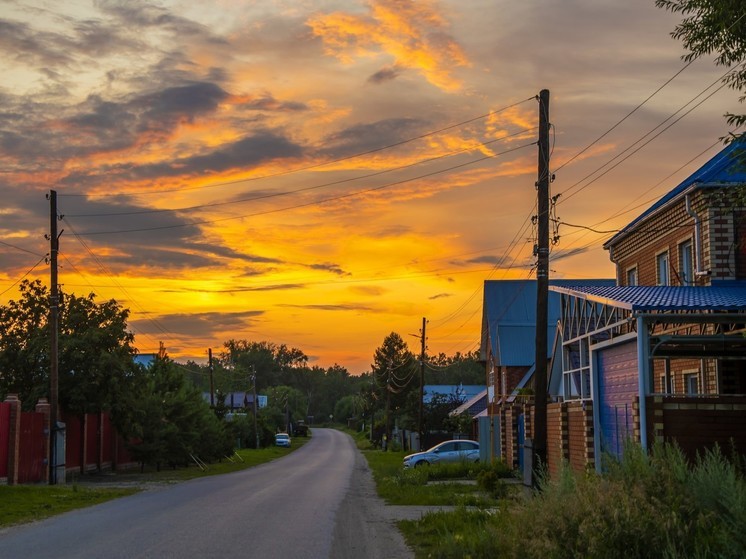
(286, 508)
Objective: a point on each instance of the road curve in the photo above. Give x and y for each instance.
(285, 508)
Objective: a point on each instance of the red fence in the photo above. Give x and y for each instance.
(91, 443)
(33, 448)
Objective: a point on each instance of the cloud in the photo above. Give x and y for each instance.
(329, 267)
(331, 307)
(567, 253)
(385, 74)
(196, 324)
(413, 33)
(276, 287)
(440, 296)
(359, 138)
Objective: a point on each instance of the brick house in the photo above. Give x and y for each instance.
(670, 335)
(507, 349)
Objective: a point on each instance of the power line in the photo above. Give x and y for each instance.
(19, 280)
(307, 204)
(113, 279)
(324, 163)
(630, 151)
(22, 249)
(304, 189)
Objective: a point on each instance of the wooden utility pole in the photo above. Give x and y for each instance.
(212, 380)
(542, 289)
(422, 384)
(256, 421)
(54, 299)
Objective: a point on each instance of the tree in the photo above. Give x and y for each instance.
(393, 369)
(169, 422)
(95, 350)
(715, 26)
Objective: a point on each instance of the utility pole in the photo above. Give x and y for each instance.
(388, 405)
(422, 383)
(54, 300)
(542, 290)
(212, 380)
(256, 422)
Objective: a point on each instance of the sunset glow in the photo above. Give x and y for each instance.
(320, 174)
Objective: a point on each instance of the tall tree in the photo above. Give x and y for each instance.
(715, 26)
(393, 369)
(95, 349)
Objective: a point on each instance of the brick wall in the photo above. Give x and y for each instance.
(723, 238)
(580, 435)
(557, 433)
(698, 423)
(570, 436)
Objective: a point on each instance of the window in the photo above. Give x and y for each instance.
(691, 383)
(666, 384)
(661, 266)
(632, 276)
(686, 263)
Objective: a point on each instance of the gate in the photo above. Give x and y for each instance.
(33, 448)
(617, 387)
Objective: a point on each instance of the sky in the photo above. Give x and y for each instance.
(323, 173)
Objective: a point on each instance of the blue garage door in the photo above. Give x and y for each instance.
(617, 388)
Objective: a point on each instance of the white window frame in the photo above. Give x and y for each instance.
(633, 274)
(688, 377)
(658, 267)
(686, 264)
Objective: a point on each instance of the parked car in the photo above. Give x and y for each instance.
(282, 439)
(445, 452)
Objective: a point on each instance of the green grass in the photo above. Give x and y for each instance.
(426, 485)
(656, 506)
(26, 503)
(246, 458)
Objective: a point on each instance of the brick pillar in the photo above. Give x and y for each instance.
(656, 419)
(590, 453)
(43, 406)
(14, 437)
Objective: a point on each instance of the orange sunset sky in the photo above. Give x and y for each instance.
(322, 173)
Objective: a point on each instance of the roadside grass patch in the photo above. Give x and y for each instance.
(26, 503)
(647, 505)
(442, 535)
(414, 486)
(244, 458)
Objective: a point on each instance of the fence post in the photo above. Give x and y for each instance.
(44, 407)
(14, 437)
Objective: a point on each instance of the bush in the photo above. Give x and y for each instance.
(646, 505)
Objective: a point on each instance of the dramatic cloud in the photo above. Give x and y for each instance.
(196, 324)
(413, 33)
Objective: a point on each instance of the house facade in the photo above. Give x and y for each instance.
(662, 355)
(659, 355)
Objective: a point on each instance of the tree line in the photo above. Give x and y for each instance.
(161, 409)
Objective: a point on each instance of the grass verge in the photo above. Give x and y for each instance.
(648, 505)
(25, 503)
(443, 485)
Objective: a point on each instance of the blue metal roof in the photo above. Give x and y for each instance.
(725, 168)
(724, 296)
(509, 316)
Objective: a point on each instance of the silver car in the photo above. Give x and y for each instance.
(445, 452)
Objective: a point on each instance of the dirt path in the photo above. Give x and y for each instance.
(365, 529)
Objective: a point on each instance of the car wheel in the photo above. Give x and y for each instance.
(422, 463)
